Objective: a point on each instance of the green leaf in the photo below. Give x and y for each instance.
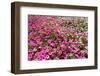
(46, 44)
(73, 38)
(33, 58)
(71, 57)
(78, 37)
(31, 47)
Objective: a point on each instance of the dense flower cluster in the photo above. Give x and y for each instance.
(57, 37)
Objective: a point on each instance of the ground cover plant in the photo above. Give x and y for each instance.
(57, 37)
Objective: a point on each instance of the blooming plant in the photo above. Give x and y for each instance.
(57, 37)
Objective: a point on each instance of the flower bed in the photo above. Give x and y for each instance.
(57, 37)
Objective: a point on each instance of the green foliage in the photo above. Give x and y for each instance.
(46, 44)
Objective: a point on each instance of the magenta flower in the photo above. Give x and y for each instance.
(32, 43)
(63, 46)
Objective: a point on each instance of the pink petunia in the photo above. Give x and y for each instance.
(32, 43)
